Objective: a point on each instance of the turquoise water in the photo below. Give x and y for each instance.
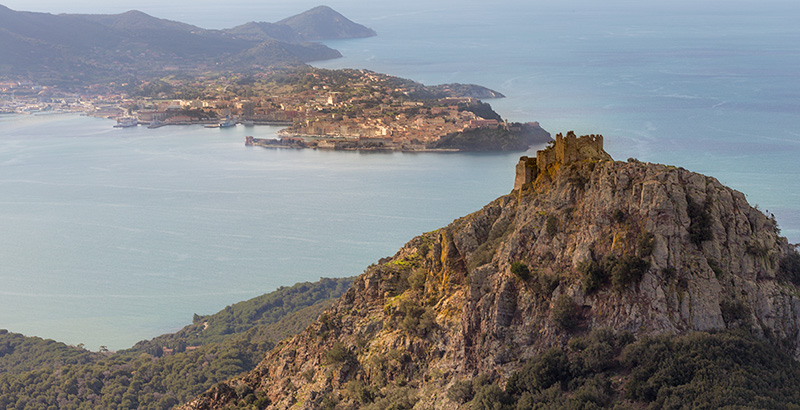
(114, 235)
(110, 236)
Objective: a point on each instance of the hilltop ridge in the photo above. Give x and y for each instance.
(82, 48)
(325, 23)
(554, 294)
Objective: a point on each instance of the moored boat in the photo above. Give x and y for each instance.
(227, 122)
(126, 122)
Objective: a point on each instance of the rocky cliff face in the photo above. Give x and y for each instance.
(634, 247)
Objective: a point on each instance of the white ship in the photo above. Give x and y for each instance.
(227, 122)
(126, 122)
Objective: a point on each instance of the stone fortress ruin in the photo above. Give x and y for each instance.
(564, 150)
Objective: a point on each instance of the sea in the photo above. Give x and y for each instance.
(110, 236)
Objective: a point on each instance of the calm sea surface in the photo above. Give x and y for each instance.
(109, 236)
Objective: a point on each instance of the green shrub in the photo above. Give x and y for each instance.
(262, 401)
(461, 391)
(551, 225)
(423, 249)
(360, 392)
(669, 273)
(626, 271)
(622, 272)
(592, 276)
(243, 390)
(329, 402)
(544, 284)
(595, 393)
(417, 278)
(645, 244)
(482, 255)
(722, 370)
(734, 311)
(598, 356)
(789, 267)
(520, 270)
(596, 352)
(550, 368)
(565, 313)
(338, 354)
(699, 370)
(402, 398)
(757, 249)
(700, 217)
(416, 319)
(491, 397)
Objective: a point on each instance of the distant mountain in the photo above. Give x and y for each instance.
(323, 23)
(78, 48)
(319, 23)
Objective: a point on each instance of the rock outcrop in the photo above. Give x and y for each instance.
(638, 247)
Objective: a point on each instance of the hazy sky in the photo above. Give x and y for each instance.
(207, 14)
(230, 13)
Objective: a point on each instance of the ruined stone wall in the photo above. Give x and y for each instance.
(546, 157)
(570, 148)
(526, 171)
(565, 150)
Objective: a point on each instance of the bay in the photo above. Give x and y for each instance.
(111, 235)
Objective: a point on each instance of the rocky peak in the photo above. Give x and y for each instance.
(589, 244)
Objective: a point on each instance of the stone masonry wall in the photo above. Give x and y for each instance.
(565, 150)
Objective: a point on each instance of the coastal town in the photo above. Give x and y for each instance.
(334, 109)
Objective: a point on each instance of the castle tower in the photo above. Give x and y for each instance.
(565, 150)
(526, 172)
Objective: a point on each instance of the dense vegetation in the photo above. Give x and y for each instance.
(165, 371)
(604, 370)
(267, 309)
(516, 137)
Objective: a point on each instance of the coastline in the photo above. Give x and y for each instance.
(323, 142)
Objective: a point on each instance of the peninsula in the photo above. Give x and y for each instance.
(364, 110)
(335, 109)
(139, 69)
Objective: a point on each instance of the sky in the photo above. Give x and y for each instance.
(226, 14)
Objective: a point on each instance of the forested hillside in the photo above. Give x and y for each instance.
(163, 372)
